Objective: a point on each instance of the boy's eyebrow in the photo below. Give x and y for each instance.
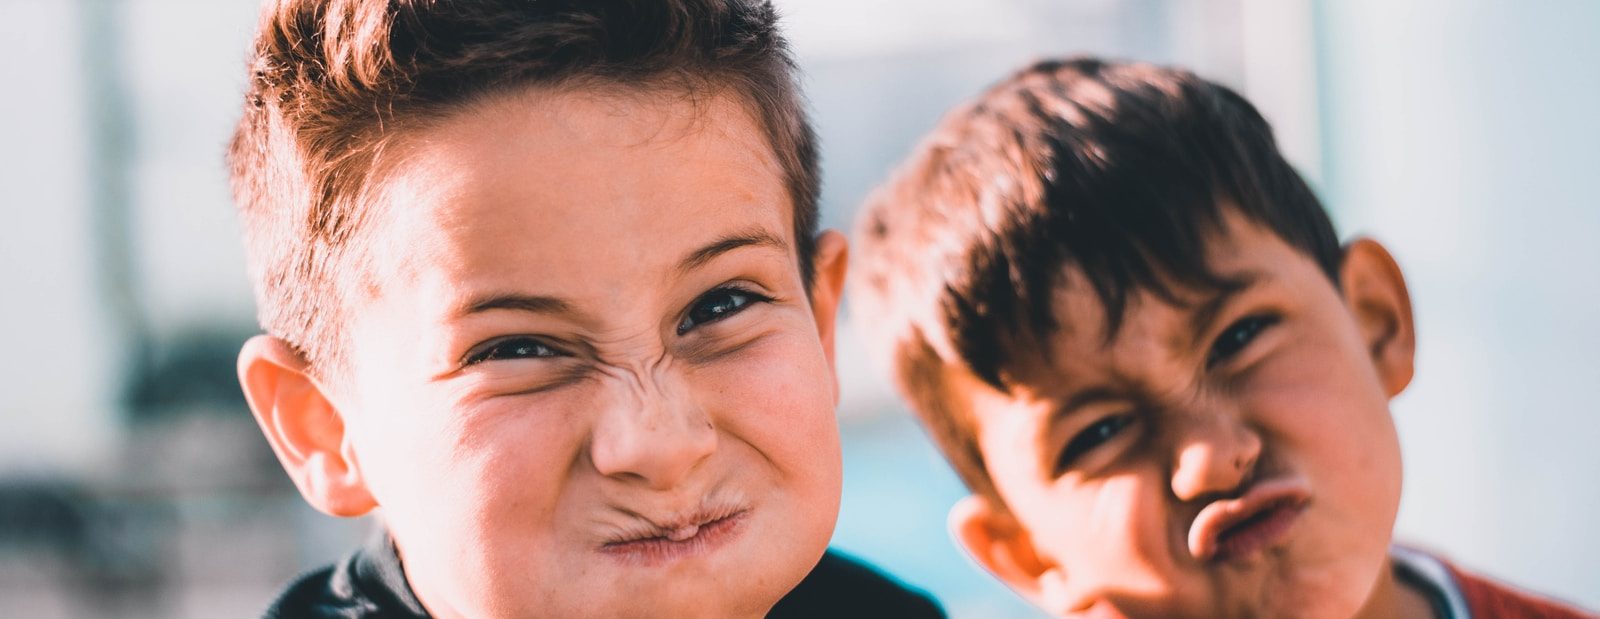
(540, 304)
(1203, 317)
(1094, 395)
(513, 301)
(756, 237)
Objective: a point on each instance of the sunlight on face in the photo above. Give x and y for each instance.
(589, 381)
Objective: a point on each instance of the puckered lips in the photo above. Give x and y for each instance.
(1239, 528)
(655, 542)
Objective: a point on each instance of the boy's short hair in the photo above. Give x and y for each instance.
(1119, 170)
(335, 82)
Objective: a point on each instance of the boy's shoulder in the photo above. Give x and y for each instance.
(841, 586)
(1488, 599)
(369, 584)
(1461, 594)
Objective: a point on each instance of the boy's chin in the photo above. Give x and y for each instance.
(742, 575)
(1263, 589)
(1298, 592)
(738, 595)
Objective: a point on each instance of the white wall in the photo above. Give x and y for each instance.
(1466, 135)
(60, 352)
(168, 85)
(186, 59)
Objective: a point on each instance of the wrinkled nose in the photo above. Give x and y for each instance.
(651, 433)
(1214, 454)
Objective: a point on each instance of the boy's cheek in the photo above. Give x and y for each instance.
(472, 482)
(1119, 523)
(781, 370)
(773, 396)
(415, 442)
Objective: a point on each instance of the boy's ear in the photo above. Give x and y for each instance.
(829, 263)
(996, 541)
(1375, 292)
(305, 430)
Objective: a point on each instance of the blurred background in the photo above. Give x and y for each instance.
(1463, 133)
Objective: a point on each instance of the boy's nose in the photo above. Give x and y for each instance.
(1214, 455)
(652, 434)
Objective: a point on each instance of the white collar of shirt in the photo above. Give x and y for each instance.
(1429, 571)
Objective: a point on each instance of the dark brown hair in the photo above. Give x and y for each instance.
(1120, 170)
(333, 83)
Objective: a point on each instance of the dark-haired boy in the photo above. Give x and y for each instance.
(542, 281)
(1130, 327)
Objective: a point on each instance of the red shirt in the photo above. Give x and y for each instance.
(1487, 599)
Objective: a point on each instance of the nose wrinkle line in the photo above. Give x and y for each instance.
(662, 423)
(645, 391)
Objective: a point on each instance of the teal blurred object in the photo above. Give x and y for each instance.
(897, 490)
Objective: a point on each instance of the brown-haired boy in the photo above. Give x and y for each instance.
(542, 281)
(1130, 327)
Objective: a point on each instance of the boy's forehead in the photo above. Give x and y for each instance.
(548, 187)
(581, 125)
(605, 114)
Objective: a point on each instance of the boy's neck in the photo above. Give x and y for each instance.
(1396, 598)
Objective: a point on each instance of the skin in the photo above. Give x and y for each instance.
(586, 325)
(1285, 380)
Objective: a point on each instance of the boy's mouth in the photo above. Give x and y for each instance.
(653, 543)
(1239, 528)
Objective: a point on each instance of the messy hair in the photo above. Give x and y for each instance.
(1120, 171)
(333, 83)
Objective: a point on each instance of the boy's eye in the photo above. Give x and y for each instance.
(1237, 336)
(1090, 438)
(716, 305)
(511, 348)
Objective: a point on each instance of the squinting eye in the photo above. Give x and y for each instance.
(512, 348)
(1090, 438)
(1238, 335)
(716, 305)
